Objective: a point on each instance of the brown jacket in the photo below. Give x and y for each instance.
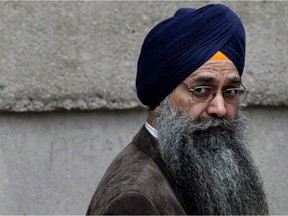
(136, 183)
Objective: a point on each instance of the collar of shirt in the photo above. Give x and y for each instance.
(151, 130)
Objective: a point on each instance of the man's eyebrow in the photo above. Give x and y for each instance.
(211, 79)
(236, 80)
(206, 79)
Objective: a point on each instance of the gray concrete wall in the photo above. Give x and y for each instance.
(51, 163)
(82, 55)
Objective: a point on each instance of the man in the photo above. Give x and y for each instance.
(191, 155)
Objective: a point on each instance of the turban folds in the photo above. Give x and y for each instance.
(179, 45)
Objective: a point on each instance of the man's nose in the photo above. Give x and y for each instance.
(217, 106)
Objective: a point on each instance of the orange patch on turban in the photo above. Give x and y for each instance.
(219, 56)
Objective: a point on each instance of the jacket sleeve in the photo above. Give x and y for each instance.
(130, 204)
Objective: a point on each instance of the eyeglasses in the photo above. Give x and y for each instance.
(204, 94)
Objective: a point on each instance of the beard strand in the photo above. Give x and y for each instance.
(209, 164)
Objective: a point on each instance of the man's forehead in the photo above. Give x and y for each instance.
(215, 70)
(217, 65)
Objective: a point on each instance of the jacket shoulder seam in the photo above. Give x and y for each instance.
(118, 197)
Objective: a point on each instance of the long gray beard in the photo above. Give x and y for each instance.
(209, 164)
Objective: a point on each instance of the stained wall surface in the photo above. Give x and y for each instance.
(57, 58)
(51, 163)
(83, 55)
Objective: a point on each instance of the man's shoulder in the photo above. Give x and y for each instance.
(133, 166)
(132, 178)
(130, 171)
(130, 203)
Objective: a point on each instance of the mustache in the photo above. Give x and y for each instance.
(214, 123)
(199, 124)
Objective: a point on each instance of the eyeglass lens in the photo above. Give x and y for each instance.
(232, 96)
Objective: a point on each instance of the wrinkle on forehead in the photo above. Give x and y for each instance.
(216, 68)
(218, 65)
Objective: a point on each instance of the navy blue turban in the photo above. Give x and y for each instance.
(179, 45)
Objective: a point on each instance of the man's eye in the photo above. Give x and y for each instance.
(202, 90)
(232, 92)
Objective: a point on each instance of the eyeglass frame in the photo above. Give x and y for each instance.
(214, 93)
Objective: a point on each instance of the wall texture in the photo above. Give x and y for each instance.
(51, 163)
(83, 55)
(59, 56)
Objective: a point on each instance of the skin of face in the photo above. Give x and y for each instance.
(219, 74)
